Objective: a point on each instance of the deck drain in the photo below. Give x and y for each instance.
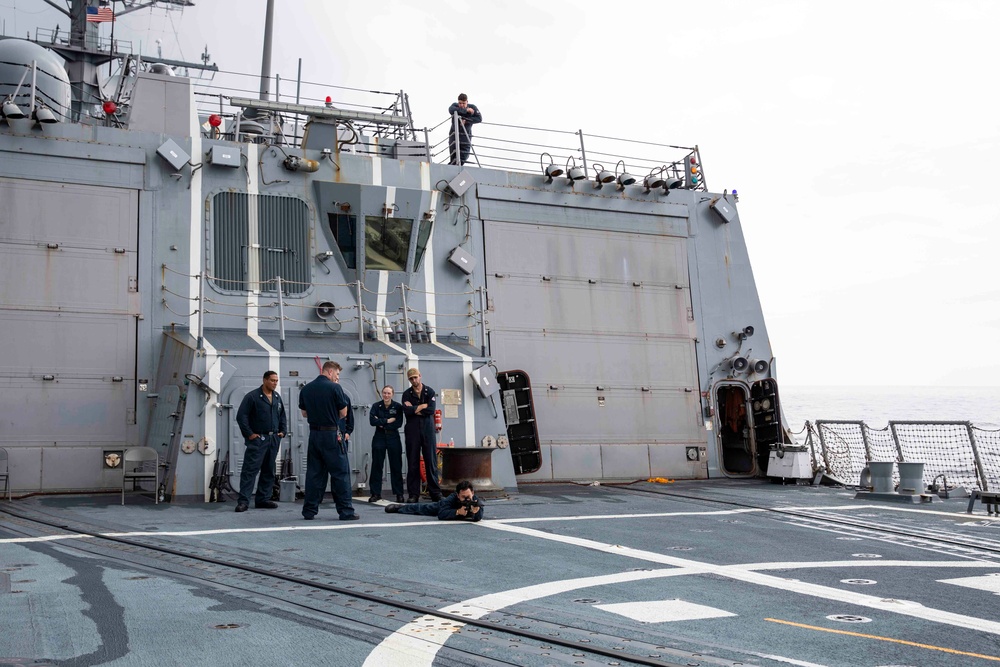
(137, 578)
(867, 555)
(451, 560)
(586, 600)
(859, 582)
(850, 539)
(226, 626)
(701, 530)
(289, 550)
(849, 618)
(731, 521)
(679, 548)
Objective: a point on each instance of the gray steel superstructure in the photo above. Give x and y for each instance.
(156, 259)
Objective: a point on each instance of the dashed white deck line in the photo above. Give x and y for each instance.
(986, 582)
(663, 611)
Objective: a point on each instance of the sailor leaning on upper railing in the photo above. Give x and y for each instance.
(468, 115)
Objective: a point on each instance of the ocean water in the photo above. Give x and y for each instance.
(877, 405)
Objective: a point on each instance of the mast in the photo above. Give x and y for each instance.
(265, 63)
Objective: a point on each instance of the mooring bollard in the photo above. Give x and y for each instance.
(881, 472)
(911, 478)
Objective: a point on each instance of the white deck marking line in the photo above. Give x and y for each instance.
(790, 661)
(280, 529)
(591, 517)
(987, 582)
(664, 611)
(891, 508)
(758, 567)
(228, 531)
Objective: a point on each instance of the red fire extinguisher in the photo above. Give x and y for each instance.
(437, 421)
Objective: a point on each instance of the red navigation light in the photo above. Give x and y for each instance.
(329, 100)
(215, 120)
(109, 107)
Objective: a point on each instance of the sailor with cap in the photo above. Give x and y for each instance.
(418, 406)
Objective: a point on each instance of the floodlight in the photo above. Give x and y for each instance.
(574, 173)
(43, 114)
(653, 180)
(11, 111)
(549, 170)
(603, 175)
(624, 178)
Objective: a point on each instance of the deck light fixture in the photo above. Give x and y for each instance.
(653, 180)
(624, 178)
(759, 366)
(574, 173)
(671, 183)
(43, 114)
(603, 176)
(551, 170)
(10, 110)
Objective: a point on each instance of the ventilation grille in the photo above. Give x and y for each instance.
(264, 233)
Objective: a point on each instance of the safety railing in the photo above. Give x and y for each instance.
(405, 326)
(958, 451)
(546, 151)
(221, 119)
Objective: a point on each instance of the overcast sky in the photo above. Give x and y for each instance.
(862, 136)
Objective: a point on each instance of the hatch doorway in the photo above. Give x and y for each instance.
(735, 434)
(519, 414)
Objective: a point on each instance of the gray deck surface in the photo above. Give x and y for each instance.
(638, 569)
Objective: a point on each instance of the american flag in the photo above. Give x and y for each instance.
(100, 14)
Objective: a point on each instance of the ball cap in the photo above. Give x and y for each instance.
(410, 373)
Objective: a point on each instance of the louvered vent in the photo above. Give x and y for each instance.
(274, 241)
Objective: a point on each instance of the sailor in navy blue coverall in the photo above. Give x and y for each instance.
(419, 402)
(463, 505)
(468, 115)
(262, 422)
(386, 416)
(324, 404)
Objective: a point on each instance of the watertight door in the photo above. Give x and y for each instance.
(519, 414)
(735, 433)
(765, 411)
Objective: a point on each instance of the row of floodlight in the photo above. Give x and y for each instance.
(656, 179)
(41, 113)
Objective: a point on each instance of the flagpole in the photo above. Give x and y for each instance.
(112, 49)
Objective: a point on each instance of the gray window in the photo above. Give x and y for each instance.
(387, 243)
(280, 246)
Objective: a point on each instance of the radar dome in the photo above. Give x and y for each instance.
(52, 83)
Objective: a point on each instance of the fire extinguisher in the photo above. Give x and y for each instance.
(437, 421)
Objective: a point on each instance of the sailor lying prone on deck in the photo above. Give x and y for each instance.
(463, 505)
